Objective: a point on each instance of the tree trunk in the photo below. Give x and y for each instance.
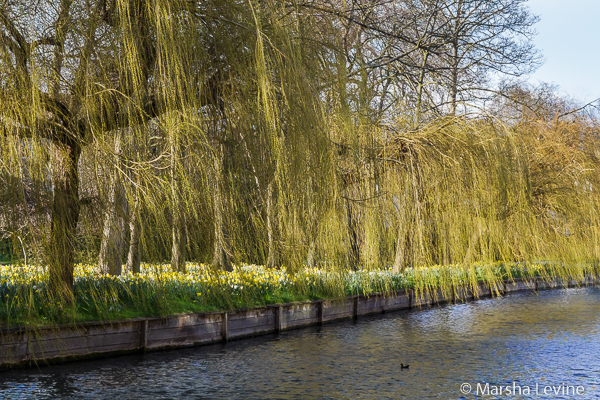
(113, 233)
(65, 215)
(399, 265)
(273, 255)
(353, 236)
(455, 61)
(178, 250)
(420, 88)
(310, 258)
(133, 256)
(221, 259)
(454, 83)
(178, 247)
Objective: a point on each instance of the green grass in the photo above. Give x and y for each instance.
(159, 293)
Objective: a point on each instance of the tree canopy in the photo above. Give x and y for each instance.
(300, 132)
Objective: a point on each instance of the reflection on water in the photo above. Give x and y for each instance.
(529, 339)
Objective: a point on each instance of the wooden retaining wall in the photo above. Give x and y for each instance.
(26, 347)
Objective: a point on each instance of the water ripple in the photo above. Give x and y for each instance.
(526, 339)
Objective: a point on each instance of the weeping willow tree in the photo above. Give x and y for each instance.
(468, 191)
(159, 114)
(231, 131)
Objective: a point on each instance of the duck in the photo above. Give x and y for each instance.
(402, 366)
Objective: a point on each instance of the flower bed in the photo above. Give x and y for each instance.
(158, 291)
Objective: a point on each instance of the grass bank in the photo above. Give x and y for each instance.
(158, 291)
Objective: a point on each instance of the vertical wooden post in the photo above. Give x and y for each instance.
(355, 311)
(320, 312)
(28, 347)
(144, 335)
(224, 329)
(278, 318)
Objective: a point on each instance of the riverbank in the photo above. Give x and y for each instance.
(546, 338)
(22, 347)
(158, 291)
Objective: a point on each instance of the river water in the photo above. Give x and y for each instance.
(524, 345)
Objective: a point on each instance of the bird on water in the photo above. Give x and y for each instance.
(402, 366)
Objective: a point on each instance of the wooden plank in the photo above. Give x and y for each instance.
(49, 346)
(338, 309)
(178, 321)
(143, 334)
(13, 348)
(400, 301)
(195, 332)
(563, 283)
(184, 341)
(379, 303)
(80, 351)
(590, 280)
(497, 288)
(251, 322)
(544, 284)
(91, 335)
(483, 290)
(184, 330)
(583, 281)
(320, 312)
(278, 312)
(76, 331)
(258, 317)
(300, 314)
(370, 305)
(440, 297)
(463, 293)
(251, 331)
(519, 285)
(421, 298)
(225, 327)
